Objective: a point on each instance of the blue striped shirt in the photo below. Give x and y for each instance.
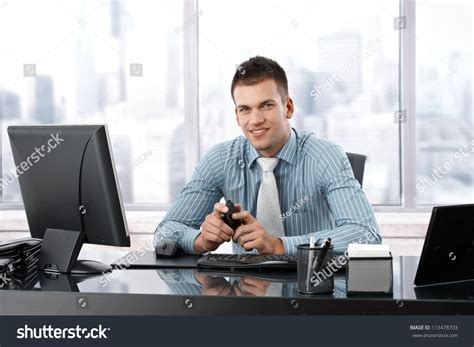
(318, 193)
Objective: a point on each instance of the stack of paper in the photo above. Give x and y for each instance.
(18, 259)
(368, 251)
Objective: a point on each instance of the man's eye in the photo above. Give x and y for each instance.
(267, 106)
(244, 109)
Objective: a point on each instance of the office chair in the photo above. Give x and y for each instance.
(358, 164)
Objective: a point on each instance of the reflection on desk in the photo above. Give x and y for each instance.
(193, 282)
(165, 291)
(447, 291)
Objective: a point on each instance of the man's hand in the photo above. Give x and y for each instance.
(214, 231)
(249, 286)
(214, 285)
(251, 235)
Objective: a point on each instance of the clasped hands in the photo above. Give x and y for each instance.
(245, 286)
(250, 235)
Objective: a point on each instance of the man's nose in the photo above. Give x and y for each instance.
(256, 117)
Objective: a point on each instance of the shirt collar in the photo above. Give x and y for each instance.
(287, 153)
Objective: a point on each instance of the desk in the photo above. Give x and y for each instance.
(189, 292)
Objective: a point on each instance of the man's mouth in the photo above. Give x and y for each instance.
(259, 131)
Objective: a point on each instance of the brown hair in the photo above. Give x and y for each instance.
(258, 69)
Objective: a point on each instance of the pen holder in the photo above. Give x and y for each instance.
(314, 275)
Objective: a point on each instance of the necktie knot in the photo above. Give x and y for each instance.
(267, 164)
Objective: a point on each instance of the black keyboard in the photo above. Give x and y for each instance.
(247, 261)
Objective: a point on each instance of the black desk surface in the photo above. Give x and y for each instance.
(190, 292)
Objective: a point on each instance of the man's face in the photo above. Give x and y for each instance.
(263, 116)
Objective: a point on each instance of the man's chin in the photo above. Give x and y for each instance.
(261, 146)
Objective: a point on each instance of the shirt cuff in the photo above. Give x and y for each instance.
(291, 242)
(187, 240)
(179, 276)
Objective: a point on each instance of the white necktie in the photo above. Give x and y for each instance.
(268, 203)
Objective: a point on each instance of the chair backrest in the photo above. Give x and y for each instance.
(358, 164)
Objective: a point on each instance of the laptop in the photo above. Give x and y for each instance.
(448, 251)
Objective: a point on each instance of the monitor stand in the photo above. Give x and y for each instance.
(60, 250)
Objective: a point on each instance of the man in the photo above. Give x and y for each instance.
(288, 185)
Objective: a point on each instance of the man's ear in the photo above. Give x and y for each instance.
(290, 108)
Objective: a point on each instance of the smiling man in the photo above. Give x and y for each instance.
(288, 185)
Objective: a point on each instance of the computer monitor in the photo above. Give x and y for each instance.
(448, 251)
(70, 193)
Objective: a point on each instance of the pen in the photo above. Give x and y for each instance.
(312, 244)
(321, 254)
(326, 243)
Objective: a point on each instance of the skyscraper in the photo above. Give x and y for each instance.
(9, 105)
(339, 54)
(43, 108)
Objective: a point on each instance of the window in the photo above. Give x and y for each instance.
(114, 62)
(445, 122)
(342, 69)
(127, 63)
